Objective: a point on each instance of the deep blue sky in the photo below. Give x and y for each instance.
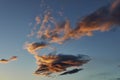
(15, 17)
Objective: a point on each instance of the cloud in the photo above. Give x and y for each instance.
(71, 71)
(50, 64)
(4, 61)
(114, 4)
(33, 47)
(38, 20)
(103, 19)
(117, 78)
(44, 26)
(51, 31)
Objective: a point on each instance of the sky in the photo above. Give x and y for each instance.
(17, 20)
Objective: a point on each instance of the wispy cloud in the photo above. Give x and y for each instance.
(33, 47)
(103, 19)
(71, 71)
(5, 61)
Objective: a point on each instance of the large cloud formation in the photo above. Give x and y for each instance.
(103, 19)
(50, 64)
(5, 61)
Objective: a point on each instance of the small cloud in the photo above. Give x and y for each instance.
(4, 61)
(32, 47)
(71, 71)
(38, 20)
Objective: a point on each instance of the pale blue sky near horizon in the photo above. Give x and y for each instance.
(17, 15)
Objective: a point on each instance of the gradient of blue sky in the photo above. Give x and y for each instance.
(15, 17)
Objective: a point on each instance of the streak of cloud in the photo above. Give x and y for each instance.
(71, 71)
(5, 61)
(33, 47)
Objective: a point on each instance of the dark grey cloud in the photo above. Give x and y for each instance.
(71, 71)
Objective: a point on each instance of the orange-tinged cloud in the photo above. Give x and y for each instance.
(103, 19)
(43, 24)
(33, 47)
(50, 64)
(4, 61)
(38, 20)
(114, 4)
